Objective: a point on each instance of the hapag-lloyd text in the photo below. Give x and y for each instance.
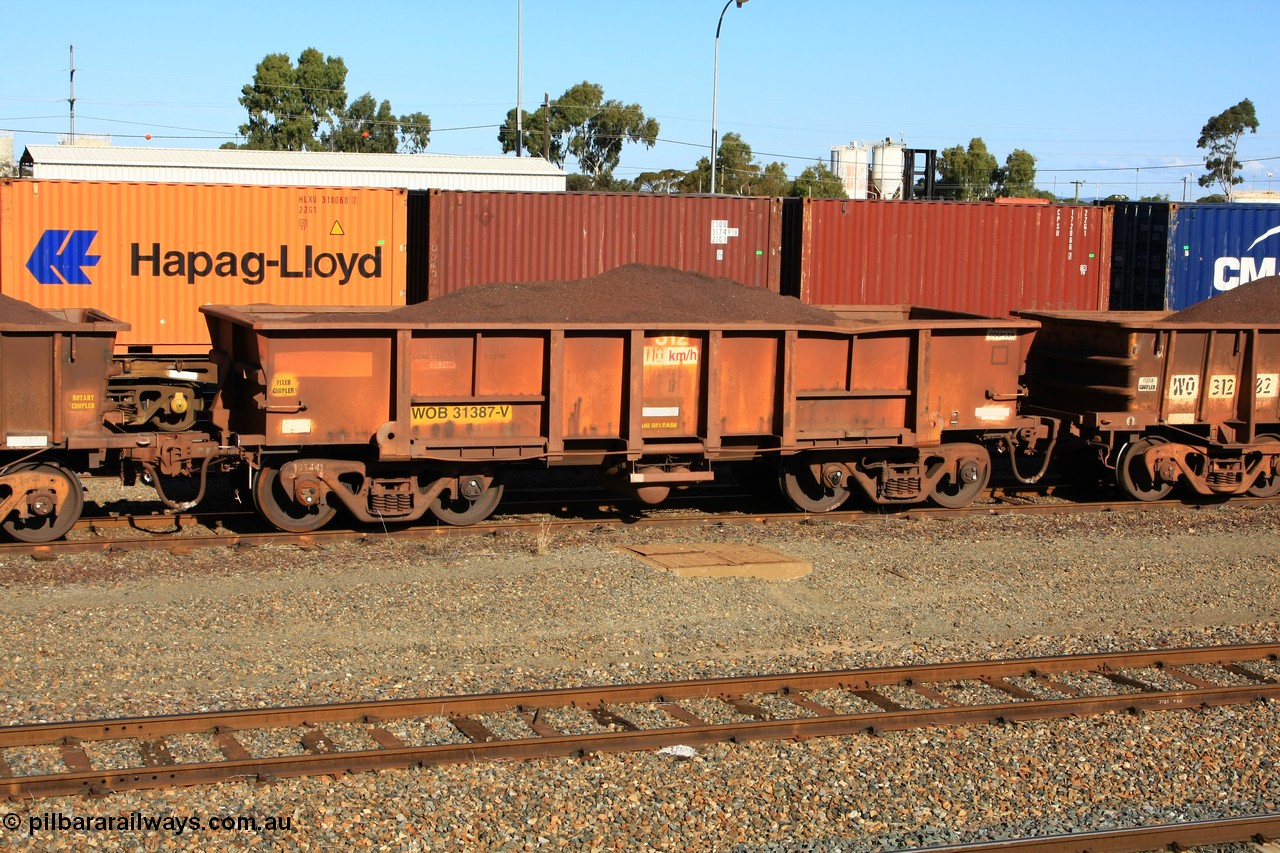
(251, 267)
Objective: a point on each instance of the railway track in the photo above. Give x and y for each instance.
(101, 756)
(1180, 836)
(181, 532)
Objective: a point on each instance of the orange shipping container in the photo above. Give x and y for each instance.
(152, 254)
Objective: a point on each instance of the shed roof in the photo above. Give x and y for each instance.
(233, 165)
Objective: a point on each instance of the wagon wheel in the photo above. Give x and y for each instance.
(958, 487)
(805, 491)
(1132, 476)
(1267, 485)
(46, 523)
(280, 509)
(475, 503)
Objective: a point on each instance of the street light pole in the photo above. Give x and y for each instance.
(519, 81)
(715, 87)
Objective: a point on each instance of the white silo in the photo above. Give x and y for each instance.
(852, 164)
(887, 163)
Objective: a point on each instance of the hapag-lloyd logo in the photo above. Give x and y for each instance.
(63, 256)
(1229, 273)
(60, 257)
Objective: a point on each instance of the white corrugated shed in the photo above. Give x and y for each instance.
(290, 168)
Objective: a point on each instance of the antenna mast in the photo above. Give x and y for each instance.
(72, 99)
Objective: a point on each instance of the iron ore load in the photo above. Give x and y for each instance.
(653, 376)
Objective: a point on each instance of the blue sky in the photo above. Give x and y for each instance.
(1112, 94)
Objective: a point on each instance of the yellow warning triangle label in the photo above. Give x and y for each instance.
(336, 230)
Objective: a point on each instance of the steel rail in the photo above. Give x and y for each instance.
(1172, 836)
(617, 733)
(168, 541)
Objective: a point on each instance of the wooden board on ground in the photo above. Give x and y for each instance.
(721, 561)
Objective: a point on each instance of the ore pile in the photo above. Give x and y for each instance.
(23, 313)
(1249, 304)
(635, 293)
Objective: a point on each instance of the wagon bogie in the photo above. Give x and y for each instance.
(303, 493)
(1149, 466)
(952, 474)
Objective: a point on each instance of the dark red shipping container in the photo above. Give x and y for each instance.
(976, 257)
(485, 237)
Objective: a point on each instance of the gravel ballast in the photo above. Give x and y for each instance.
(148, 633)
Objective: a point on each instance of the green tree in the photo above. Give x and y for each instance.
(1220, 136)
(735, 168)
(582, 124)
(773, 181)
(415, 132)
(364, 125)
(817, 181)
(304, 108)
(666, 181)
(1017, 178)
(967, 174)
(287, 105)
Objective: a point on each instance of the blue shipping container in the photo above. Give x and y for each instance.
(1169, 256)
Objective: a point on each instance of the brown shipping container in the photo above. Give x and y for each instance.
(486, 237)
(152, 254)
(976, 257)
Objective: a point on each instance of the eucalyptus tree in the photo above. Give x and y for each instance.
(1220, 137)
(303, 107)
(581, 124)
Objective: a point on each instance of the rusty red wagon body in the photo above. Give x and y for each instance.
(1160, 401)
(54, 368)
(391, 418)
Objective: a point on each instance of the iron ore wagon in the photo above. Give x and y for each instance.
(393, 414)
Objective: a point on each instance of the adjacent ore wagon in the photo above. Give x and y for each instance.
(394, 414)
(53, 383)
(1162, 399)
(58, 420)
